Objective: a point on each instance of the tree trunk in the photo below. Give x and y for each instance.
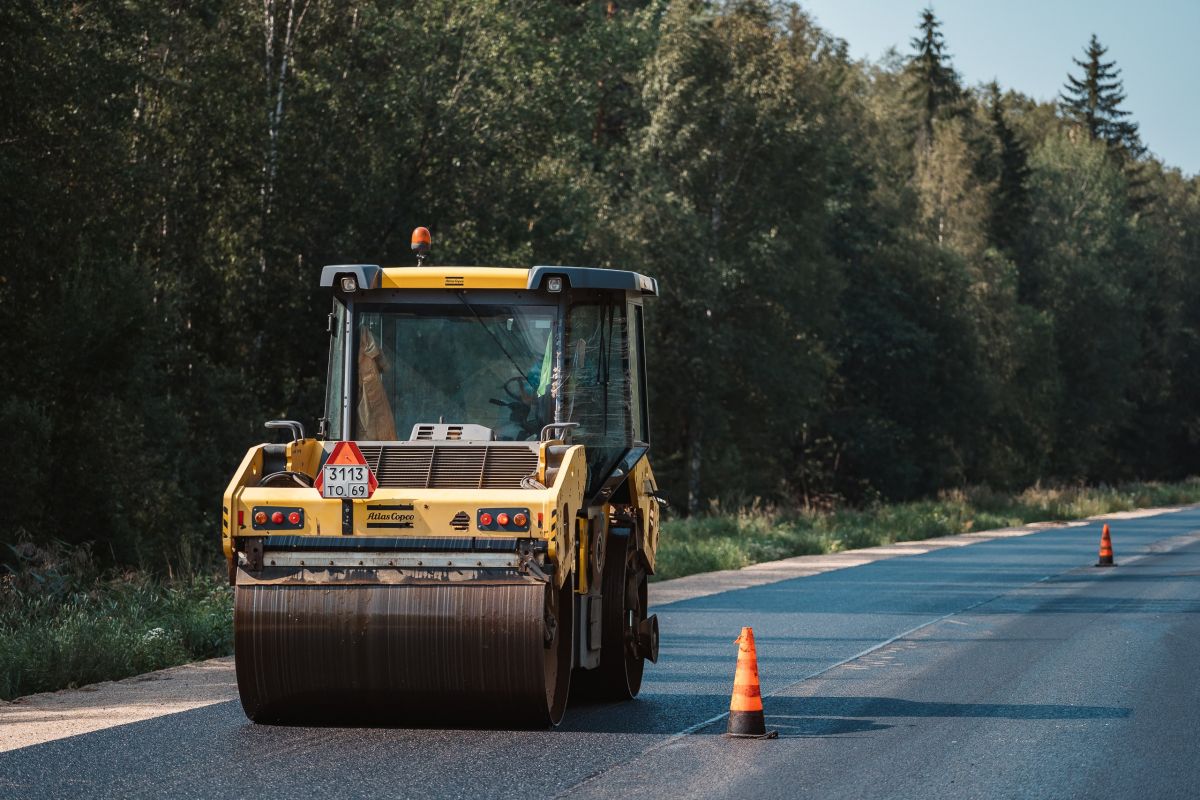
(278, 54)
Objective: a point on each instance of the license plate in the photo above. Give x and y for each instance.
(345, 481)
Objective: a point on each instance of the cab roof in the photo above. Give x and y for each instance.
(372, 276)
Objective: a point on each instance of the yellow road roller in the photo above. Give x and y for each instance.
(467, 537)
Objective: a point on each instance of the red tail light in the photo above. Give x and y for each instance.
(294, 517)
(502, 518)
(277, 518)
(485, 518)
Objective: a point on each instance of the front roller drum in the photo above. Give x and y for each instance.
(488, 653)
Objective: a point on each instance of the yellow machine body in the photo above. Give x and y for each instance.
(432, 514)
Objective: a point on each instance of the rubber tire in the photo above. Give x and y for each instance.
(619, 675)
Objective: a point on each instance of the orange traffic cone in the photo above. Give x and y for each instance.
(745, 707)
(1106, 553)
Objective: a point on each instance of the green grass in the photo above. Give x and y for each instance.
(734, 540)
(63, 624)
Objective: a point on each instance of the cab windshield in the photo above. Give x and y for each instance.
(487, 365)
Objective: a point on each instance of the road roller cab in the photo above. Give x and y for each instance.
(469, 533)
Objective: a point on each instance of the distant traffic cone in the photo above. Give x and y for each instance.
(1106, 553)
(745, 707)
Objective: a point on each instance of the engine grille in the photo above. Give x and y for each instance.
(450, 466)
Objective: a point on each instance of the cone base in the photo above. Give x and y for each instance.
(748, 725)
(1105, 564)
(767, 735)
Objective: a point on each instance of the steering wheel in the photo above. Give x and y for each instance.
(514, 393)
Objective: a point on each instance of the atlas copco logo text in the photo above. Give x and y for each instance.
(390, 516)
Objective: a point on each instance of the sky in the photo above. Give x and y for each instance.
(1027, 45)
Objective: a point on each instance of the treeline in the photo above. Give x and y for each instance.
(878, 281)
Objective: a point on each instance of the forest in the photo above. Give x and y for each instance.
(879, 283)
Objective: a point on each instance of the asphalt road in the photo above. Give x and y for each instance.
(1010, 668)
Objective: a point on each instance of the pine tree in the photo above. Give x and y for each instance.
(1094, 100)
(934, 89)
(1010, 201)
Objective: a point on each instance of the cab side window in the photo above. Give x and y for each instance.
(598, 391)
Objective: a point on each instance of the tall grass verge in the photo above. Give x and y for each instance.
(63, 623)
(732, 540)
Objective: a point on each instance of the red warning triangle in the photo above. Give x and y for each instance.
(348, 454)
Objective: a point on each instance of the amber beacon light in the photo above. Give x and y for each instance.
(421, 240)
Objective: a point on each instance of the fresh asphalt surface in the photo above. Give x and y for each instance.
(1011, 668)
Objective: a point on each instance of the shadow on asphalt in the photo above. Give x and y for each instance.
(812, 716)
(810, 727)
(894, 707)
(807, 717)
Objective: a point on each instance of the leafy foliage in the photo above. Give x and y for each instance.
(877, 282)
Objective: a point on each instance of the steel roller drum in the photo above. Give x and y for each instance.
(445, 653)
